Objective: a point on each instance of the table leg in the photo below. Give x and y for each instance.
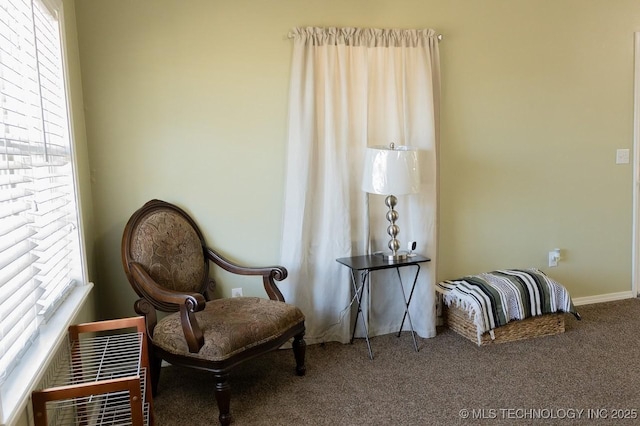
(406, 304)
(364, 279)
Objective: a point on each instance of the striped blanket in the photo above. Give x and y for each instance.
(492, 299)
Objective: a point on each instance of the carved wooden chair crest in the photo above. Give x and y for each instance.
(167, 261)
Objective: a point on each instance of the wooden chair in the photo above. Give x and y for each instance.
(166, 261)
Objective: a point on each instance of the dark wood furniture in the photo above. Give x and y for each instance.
(167, 261)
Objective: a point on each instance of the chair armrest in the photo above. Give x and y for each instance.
(166, 300)
(161, 297)
(269, 274)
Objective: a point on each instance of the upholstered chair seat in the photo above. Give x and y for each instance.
(167, 262)
(230, 327)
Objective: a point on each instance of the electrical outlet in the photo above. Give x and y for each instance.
(236, 292)
(554, 256)
(622, 156)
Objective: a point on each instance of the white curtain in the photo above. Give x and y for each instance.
(352, 88)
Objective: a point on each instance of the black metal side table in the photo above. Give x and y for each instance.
(364, 265)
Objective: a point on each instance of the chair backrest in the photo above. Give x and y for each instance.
(170, 247)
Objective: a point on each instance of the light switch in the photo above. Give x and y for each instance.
(622, 156)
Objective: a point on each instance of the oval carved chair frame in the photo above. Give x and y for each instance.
(154, 296)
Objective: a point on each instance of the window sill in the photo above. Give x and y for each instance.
(16, 390)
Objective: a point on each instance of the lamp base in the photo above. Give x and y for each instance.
(389, 256)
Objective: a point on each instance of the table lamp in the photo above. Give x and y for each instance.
(391, 171)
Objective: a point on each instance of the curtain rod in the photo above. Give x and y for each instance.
(440, 37)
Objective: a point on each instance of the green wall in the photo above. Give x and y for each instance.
(187, 101)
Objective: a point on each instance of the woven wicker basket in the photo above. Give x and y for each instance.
(544, 325)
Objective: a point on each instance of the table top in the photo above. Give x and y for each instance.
(372, 262)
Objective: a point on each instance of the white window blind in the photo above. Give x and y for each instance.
(40, 255)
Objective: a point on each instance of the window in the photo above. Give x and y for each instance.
(40, 245)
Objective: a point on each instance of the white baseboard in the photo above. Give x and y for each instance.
(609, 297)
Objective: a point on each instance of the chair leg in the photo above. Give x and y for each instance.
(223, 398)
(155, 365)
(299, 350)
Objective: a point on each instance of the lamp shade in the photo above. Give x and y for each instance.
(391, 170)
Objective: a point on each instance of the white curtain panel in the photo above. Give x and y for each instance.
(352, 88)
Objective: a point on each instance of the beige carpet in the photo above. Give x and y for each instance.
(588, 375)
